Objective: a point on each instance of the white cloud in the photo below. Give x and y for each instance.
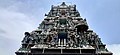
(13, 24)
(15, 19)
(114, 48)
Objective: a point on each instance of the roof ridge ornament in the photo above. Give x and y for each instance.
(63, 3)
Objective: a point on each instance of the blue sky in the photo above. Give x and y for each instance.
(18, 16)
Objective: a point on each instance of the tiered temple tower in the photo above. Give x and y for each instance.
(62, 32)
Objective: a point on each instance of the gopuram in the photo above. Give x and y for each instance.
(62, 32)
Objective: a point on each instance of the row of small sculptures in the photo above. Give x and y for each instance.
(51, 38)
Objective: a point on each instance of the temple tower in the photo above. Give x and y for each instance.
(62, 32)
